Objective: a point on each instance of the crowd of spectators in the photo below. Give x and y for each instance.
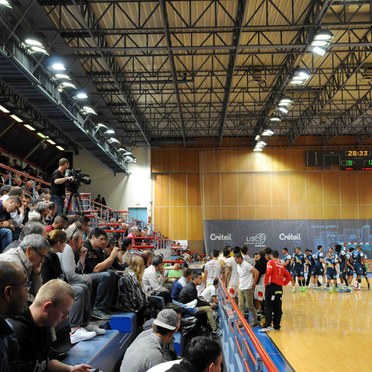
(59, 276)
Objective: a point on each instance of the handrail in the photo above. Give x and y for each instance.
(261, 352)
(24, 174)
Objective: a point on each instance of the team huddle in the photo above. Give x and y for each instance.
(336, 268)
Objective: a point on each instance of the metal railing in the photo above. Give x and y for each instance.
(243, 350)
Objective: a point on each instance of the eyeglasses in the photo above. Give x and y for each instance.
(27, 285)
(40, 255)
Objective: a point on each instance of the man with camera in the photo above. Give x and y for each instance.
(58, 180)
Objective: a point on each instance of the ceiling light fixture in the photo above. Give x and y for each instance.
(321, 42)
(60, 148)
(109, 131)
(58, 66)
(300, 76)
(86, 110)
(51, 141)
(323, 35)
(66, 84)
(16, 118)
(319, 50)
(81, 95)
(283, 110)
(29, 127)
(257, 137)
(275, 119)
(61, 77)
(3, 109)
(267, 132)
(41, 135)
(5, 3)
(113, 140)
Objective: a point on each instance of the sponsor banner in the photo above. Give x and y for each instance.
(259, 234)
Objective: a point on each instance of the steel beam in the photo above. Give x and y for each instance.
(346, 69)
(360, 108)
(240, 17)
(315, 14)
(88, 19)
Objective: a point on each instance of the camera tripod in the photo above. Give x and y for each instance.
(75, 196)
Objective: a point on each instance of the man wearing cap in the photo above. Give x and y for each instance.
(146, 352)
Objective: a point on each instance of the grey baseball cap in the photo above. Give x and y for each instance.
(168, 319)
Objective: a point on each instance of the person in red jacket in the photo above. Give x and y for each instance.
(276, 276)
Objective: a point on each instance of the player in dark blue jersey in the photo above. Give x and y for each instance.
(341, 257)
(311, 275)
(298, 262)
(319, 261)
(287, 263)
(330, 261)
(349, 265)
(365, 269)
(356, 258)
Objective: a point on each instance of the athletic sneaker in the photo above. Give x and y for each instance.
(91, 327)
(81, 334)
(266, 330)
(192, 304)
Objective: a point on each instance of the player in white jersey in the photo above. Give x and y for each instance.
(231, 275)
(213, 269)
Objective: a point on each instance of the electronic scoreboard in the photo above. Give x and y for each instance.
(348, 160)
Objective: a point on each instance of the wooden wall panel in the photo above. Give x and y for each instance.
(263, 189)
(190, 185)
(348, 189)
(297, 189)
(193, 189)
(212, 189)
(229, 213)
(161, 191)
(229, 189)
(246, 212)
(177, 190)
(314, 188)
(177, 222)
(194, 223)
(161, 219)
(280, 189)
(364, 187)
(246, 188)
(331, 184)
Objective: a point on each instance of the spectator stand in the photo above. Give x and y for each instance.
(243, 348)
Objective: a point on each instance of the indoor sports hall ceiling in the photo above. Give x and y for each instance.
(210, 72)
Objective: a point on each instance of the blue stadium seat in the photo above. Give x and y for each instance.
(124, 322)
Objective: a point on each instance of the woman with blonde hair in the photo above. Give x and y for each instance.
(131, 297)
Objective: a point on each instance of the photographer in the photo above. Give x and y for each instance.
(58, 180)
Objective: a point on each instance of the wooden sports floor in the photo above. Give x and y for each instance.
(324, 331)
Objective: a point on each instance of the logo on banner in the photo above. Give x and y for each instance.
(223, 237)
(283, 236)
(258, 239)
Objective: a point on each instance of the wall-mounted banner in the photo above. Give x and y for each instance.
(277, 234)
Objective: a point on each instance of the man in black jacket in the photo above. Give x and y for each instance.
(13, 295)
(189, 293)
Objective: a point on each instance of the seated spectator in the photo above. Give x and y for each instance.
(147, 256)
(146, 352)
(52, 212)
(8, 206)
(209, 294)
(153, 280)
(26, 200)
(59, 223)
(101, 282)
(201, 355)
(81, 310)
(4, 190)
(86, 225)
(51, 306)
(131, 297)
(134, 235)
(118, 263)
(126, 247)
(189, 293)
(180, 283)
(13, 295)
(28, 229)
(30, 255)
(39, 212)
